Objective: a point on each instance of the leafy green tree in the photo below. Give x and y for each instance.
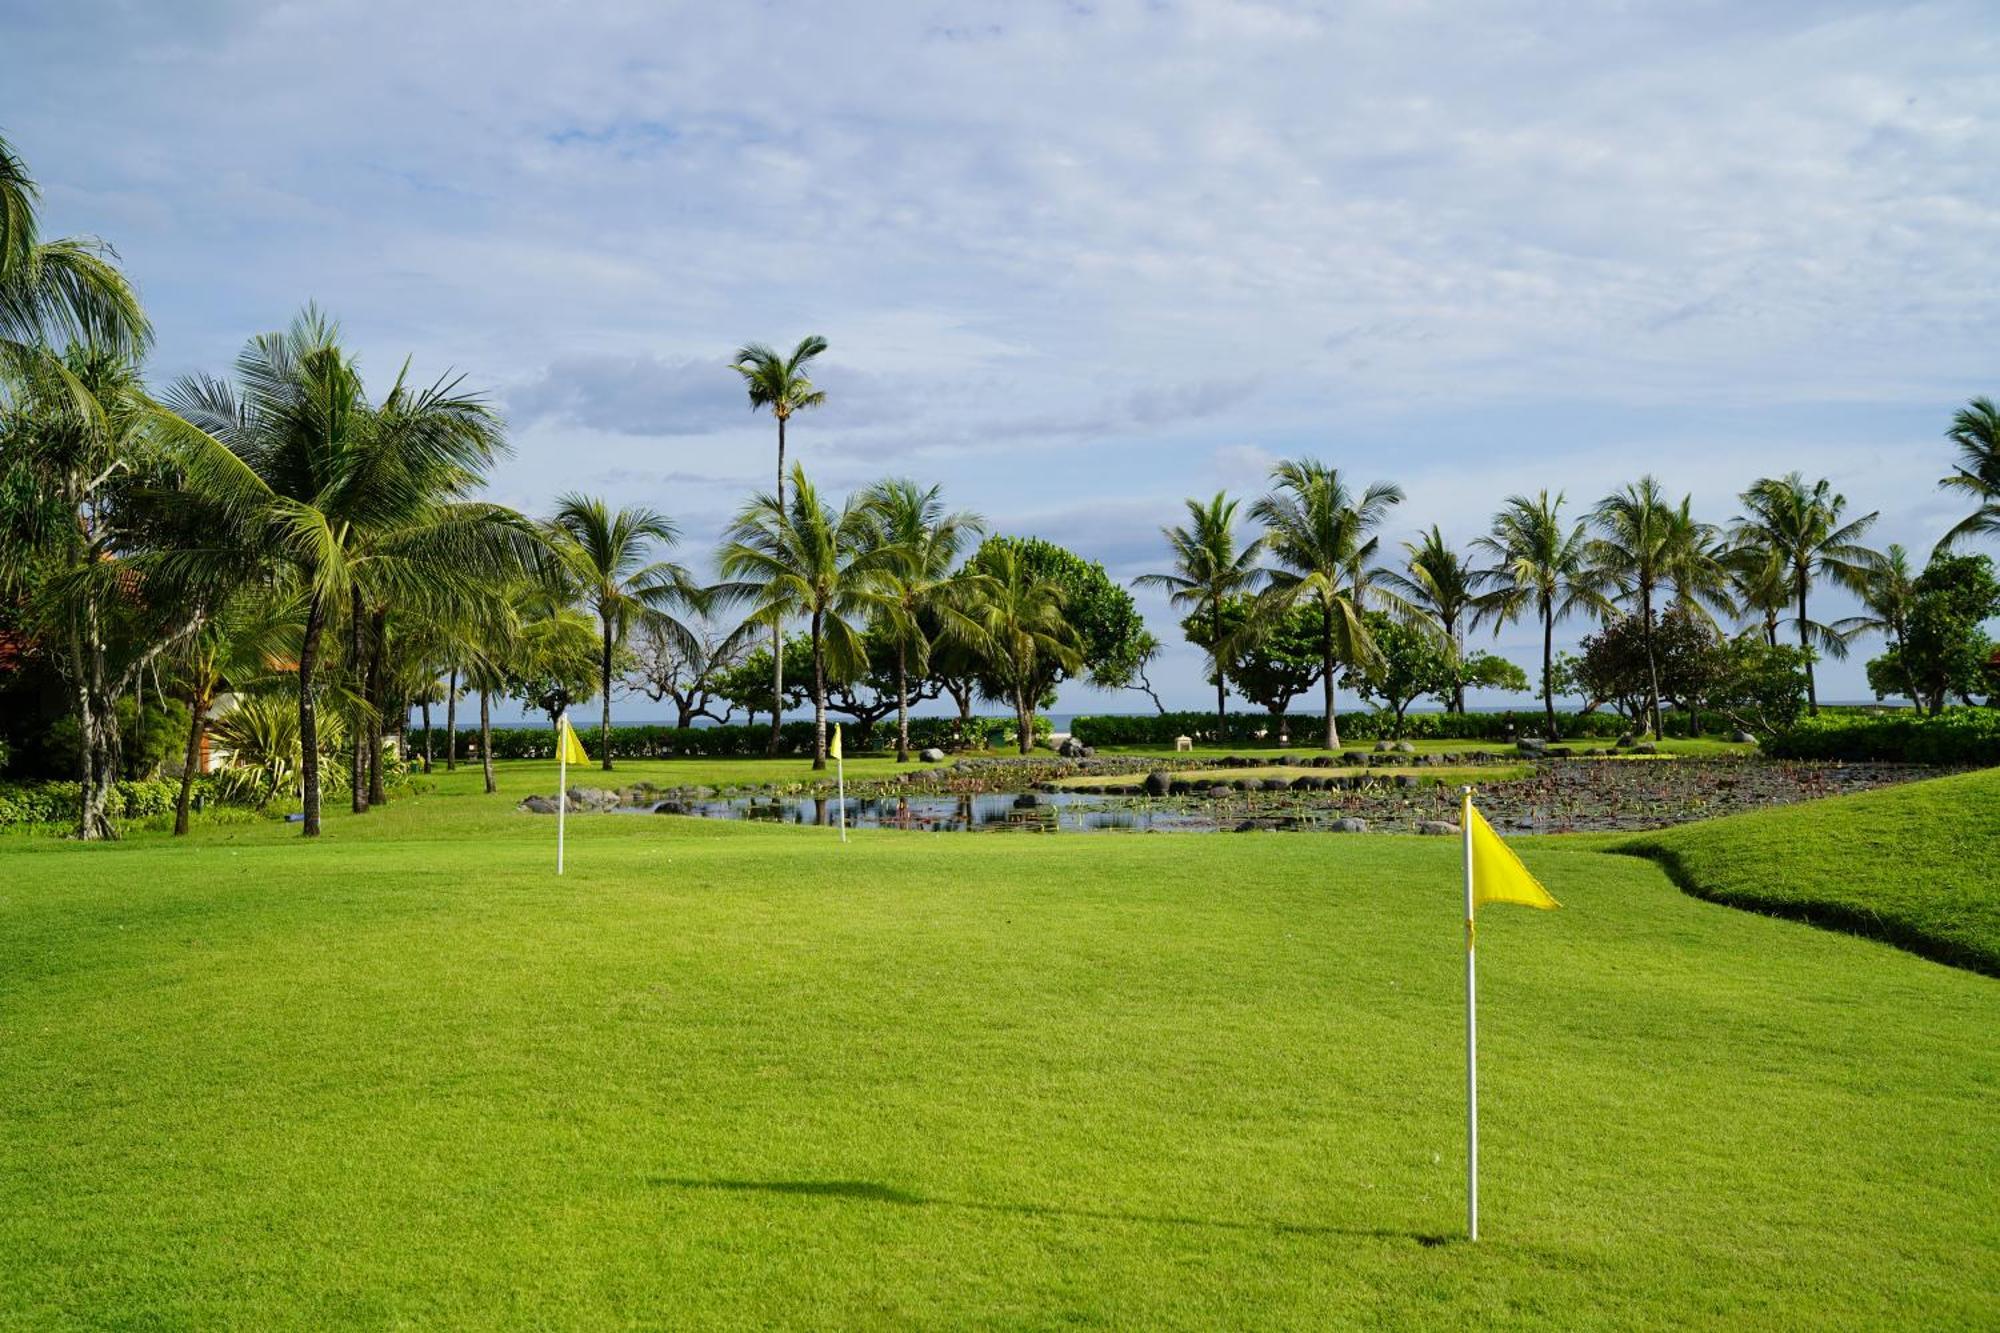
(1445, 587)
(1321, 534)
(1975, 429)
(1210, 567)
(1645, 543)
(237, 648)
(1801, 526)
(1110, 637)
(1409, 665)
(804, 559)
(1544, 566)
(1483, 671)
(1031, 635)
(1887, 591)
(1944, 653)
(781, 385)
(920, 599)
(1759, 686)
(1272, 661)
(606, 557)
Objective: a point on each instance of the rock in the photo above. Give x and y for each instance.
(1559, 752)
(1406, 747)
(1158, 783)
(1276, 784)
(931, 755)
(1383, 747)
(1625, 741)
(1072, 748)
(1353, 758)
(1646, 747)
(1179, 787)
(1531, 745)
(1406, 780)
(1219, 793)
(1744, 738)
(669, 808)
(538, 805)
(1349, 824)
(1308, 783)
(1438, 828)
(1247, 826)
(1027, 800)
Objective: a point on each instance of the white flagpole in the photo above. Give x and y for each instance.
(1471, 1040)
(562, 783)
(840, 777)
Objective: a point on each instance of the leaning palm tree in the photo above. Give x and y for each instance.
(1887, 591)
(782, 385)
(1444, 587)
(1542, 565)
(606, 556)
(1320, 534)
(1801, 526)
(1759, 586)
(335, 493)
(1027, 635)
(1975, 429)
(1633, 549)
(56, 292)
(801, 558)
(920, 597)
(1209, 569)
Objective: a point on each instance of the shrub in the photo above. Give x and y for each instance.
(24, 804)
(1305, 728)
(1955, 736)
(663, 742)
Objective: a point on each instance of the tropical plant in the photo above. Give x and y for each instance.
(1442, 585)
(1801, 526)
(1210, 567)
(606, 558)
(1945, 652)
(802, 558)
(1029, 638)
(1541, 565)
(1635, 545)
(1975, 429)
(1320, 533)
(1887, 591)
(781, 385)
(920, 599)
(264, 757)
(242, 645)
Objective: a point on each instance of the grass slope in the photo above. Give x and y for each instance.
(1915, 865)
(731, 1076)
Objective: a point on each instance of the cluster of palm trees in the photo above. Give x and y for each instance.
(1636, 552)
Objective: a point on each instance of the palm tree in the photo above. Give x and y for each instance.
(802, 558)
(1635, 545)
(925, 541)
(1021, 618)
(1319, 533)
(1441, 585)
(1887, 592)
(1975, 429)
(1801, 526)
(335, 493)
(1209, 569)
(238, 646)
(782, 385)
(606, 558)
(1542, 564)
(1759, 586)
(56, 292)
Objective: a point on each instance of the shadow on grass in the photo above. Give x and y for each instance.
(868, 1191)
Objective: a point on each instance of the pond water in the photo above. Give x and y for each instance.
(1044, 812)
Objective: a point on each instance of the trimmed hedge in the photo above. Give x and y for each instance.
(1955, 736)
(1162, 729)
(796, 738)
(25, 803)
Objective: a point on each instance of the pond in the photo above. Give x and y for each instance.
(1032, 812)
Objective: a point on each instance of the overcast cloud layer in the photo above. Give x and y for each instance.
(1078, 261)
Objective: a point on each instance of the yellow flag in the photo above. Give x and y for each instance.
(833, 750)
(1497, 874)
(570, 749)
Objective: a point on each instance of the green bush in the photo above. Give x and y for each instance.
(24, 804)
(1955, 736)
(1161, 729)
(662, 742)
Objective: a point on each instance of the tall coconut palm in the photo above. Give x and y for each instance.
(1321, 535)
(607, 556)
(1975, 429)
(1634, 547)
(1445, 587)
(334, 492)
(782, 385)
(800, 558)
(1543, 565)
(1209, 569)
(56, 292)
(1759, 585)
(916, 583)
(1026, 633)
(1801, 525)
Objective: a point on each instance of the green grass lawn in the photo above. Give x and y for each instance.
(1917, 865)
(722, 1075)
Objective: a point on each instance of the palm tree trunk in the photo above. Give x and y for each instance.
(778, 636)
(1812, 690)
(486, 739)
(451, 723)
(819, 696)
(1652, 665)
(309, 718)
(902, 702)
(1458, 667)
(377, 706)
(1221, 677)
(604, 680)
(197, 723)
(427, 730)
(1549, 668)
(1332, 737)
(357, 670)
(1024, 720)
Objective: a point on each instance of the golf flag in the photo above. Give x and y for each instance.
(834, 749)
(840, 776)
(572, 748)
(1493, 874)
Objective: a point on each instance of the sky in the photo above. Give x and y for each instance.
(1079, 261)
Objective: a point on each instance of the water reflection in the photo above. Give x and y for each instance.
(1041, 812)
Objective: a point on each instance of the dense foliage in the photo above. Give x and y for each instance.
(1251, 729)
(1954, 736)
(952, 734)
